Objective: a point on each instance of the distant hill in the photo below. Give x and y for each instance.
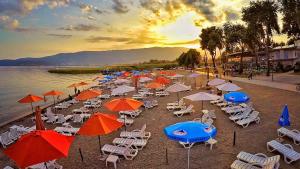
(99, 58)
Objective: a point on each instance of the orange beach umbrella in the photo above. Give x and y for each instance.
(53, 93)
(162, 80)
(123, 104)
(39, 146)
(30, 99)
(153, 85)
(88, 94)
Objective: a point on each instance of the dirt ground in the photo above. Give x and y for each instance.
(268, 101)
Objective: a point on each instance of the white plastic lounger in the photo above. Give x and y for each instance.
(242, 115)
(138, 133)
(175, 103)
(5, 139)
(126, 152)
(188, 110)
(133, 142)
(293, 134)
(14, 134)
(224, 104)
(259, 158)
(132, 114)
(127, 121)
(69, 130)
(253, 117)
(51, 118)
(289, 154)
(81, 110)
(212, 114)
(62, 119)
(237, 164)
(217, 101)
(50, 165)
(77, 118)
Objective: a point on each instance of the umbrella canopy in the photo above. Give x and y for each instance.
(162, 80)
(193, 75)
(202, 96)
(100, 124)
(121, 81)
(74, 85)
(53, 93)
(30, 99)
(122, 89)
(123, 104)
(236, 97)
(228, 87)
(216, 82)
(39, 146)
(284, 118)
(88, 94)
(177, 87)
(154, 85)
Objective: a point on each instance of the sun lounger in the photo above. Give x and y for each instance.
(14, 134)
(259, 159)
(132, 114)
(77, 118)
(253, 117)
(81, 110)
(104, 96)
(126, 152)
(73, 101)
(68, 130)
(217, 101)
(51, 118)
(175, 106)
(5, 139)
(162, 93)
(62, 119)
(126, 121)
(244, 114)
(50, 165)
(224, 104)
(132, 142)
(63, 105)
(237, 164)
(188, 110)
(138, 133)
(212, 114)
(293, 134)
(175, 103)
(289, 154)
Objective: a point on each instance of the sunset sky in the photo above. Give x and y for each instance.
(35, 28)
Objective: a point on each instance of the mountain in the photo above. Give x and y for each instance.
(99, 58)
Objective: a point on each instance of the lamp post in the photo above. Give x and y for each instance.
(271, 60)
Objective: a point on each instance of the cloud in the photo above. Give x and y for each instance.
(59, 35)
(91, 18)
(203, 7)
(152, 5)
(8, 23)
(80, 27)
(86, 8)
(119, 6)
(95, 39)
(191, 42)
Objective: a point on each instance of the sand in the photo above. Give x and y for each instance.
(268, 101)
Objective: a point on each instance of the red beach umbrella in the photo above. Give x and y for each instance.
(123, 104)
(30, 99)
(53, 93)
(162, 80)
(88, 94)
(39, 146)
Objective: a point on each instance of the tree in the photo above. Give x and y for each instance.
(263, 16)
(211, 40)
(189, 59)
(235, 36)
(291, 18)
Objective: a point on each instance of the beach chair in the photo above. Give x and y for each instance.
(212, 114)
(178, 106)
(237, 164)
(104, 96)
(67, 130)
(73, 101)
(14, 134)
(132, 114)
(137, 133)
(154, 103)
(220, 100)
(293, 134)
(148, 105)
(253, 117)
(50, 165)
(224, 104)
(5, 139)
(125, 120)
(259, 159)
(244, 114)
(187, 110)
(51, 118)
(175, 103)
(132, 142)
(81, 110)
(77, 118)
(62, 119)
(126, 152)
(289, 154)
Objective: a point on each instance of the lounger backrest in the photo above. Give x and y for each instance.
(253, 115)
(14, 132)
(77, 118)
(271, 161)
(190, 107)
(5, 138)
(143, 129)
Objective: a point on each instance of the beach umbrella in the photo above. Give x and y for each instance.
(202, 96)
(122, 89)
(190, 132)
(216, 82)
(100, 124)
(123, 104)
(154, 85)
(236, 97)
(99, 77)
(178, 87)
(162, 80)
(228, 87)
(121, 81)
(74, 85)
(284, 118)
(194, 75)
(30, 99)
(53, 93)
(39, 146)
(88, 94)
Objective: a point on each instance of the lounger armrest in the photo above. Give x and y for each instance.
(197, 119)
(289, 146)
(136, 130)
(296, 131)
(262, 155)
(255, 164)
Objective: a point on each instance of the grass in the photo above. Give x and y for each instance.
(141, 66)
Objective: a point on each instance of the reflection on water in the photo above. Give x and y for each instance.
(16, 82)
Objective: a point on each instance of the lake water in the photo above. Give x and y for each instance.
(17, 82)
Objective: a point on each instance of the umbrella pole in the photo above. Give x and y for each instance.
(189, 157)
(46, 165)
(31, 107)
(99, 143)
(178, 97)
(202, 104)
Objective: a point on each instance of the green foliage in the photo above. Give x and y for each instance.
(189, 59)
(291, 18)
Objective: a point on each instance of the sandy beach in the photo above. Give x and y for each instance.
(268, 101)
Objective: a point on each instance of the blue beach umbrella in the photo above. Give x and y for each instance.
(190, 132)
(236, 97)
(284, 118)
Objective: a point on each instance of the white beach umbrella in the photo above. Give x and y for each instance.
(145, 79)
(121, 81)
(178, 87)
(228, 87)
(122, 89)
(202, 96)
(216, 82)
